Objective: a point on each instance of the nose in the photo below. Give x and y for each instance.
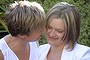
(52, 33)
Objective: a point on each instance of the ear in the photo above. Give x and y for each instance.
(21, 36)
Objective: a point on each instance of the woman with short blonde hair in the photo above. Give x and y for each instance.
(25, 21)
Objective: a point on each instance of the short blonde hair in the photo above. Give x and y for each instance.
(24, 17)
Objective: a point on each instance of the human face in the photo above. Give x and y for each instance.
(34, 36)
(55, 32)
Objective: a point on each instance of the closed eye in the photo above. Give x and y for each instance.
(60, 31)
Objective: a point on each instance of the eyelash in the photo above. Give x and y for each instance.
(60, 31)
(49, 27)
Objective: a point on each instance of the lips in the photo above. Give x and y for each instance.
(53, 39)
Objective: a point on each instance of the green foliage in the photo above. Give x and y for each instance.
(83, 6)
(85, 24)
(43, 39)
(3, 28)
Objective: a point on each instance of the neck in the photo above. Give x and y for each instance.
(57, 51)
(19, 47)
(57, 48)
(16, 42)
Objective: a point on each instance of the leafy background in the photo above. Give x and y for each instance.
(83, 6)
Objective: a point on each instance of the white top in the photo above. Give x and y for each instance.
(79, 52)
(10, 55)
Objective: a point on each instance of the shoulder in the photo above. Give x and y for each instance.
(34, 44)
(1, 56)
(43, 47)
(3, 48)
(81, 48)
(83, 52)
(2, 44)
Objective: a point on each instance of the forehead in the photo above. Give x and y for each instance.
(57, 23)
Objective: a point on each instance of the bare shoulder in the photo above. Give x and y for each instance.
(1, 56)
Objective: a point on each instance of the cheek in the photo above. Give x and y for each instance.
(60, 35)
(48, 31)
(47, 34)
(38, 35)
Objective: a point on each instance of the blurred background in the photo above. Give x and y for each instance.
(83, 6)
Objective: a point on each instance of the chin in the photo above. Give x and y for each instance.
(52, 44)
